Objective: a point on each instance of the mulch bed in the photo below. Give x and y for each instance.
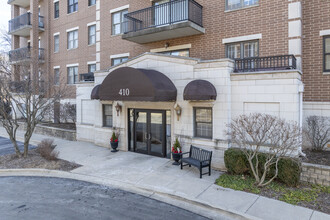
(69, 126)
(35, 160)
(317, 157)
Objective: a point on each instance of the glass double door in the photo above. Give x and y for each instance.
(148, 132)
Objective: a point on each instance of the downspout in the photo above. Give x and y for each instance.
(301, 92)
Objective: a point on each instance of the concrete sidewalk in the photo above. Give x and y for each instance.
(159, 175)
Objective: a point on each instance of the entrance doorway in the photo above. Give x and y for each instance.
(148, 132)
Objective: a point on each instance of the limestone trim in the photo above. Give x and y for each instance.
(242, 38)
(164, 49)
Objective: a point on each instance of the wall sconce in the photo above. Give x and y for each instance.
(118, 108)
(178, 111)
(167, 45)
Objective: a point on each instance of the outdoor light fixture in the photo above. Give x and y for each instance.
(178, 111)
(167, 45)
(118, 108)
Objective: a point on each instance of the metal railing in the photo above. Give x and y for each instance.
(255, 64)
(24, 53)
(27, 86)
(24, 20)
(86, 77)
(164, 14)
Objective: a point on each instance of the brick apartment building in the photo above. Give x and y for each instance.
(272, 46)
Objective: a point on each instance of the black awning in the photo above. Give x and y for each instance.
(95, 92)
(200, 90)
(130, 84)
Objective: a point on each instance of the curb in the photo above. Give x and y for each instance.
(192, 205)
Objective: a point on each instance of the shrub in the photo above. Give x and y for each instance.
(317, 131)
(236, 162)
(46, 149)
(289, 169)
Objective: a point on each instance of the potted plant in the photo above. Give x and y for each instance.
(114, 141)
(176, 152)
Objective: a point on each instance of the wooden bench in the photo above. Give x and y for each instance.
(199, 158)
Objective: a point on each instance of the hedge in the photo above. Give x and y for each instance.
(289, 169)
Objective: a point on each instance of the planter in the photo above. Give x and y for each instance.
(176, 157)
(114, 146)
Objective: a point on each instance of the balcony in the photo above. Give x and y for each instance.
(256, 64)
(21, 3)
(24, 55)
(87, 77)
(22, 25)
(179, 18)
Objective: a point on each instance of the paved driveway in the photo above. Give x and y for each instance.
(6, 147)
(70, 199)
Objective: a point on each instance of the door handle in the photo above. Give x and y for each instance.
(149, 136)
(146, 136)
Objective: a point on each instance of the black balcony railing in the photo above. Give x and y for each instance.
(22, 54)
(27, 86)
(24, 20)
(253, 64)
(87, 77)
(164, 14)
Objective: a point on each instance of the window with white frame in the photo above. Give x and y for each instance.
(72, 6)
(242, 50)
(72, 74)
(182, 53)
(118, 22)
(91, 2)
(56, 76)
(56, 43)
(91, 34)
(72, 39)
(57, 9)
(107, 115)
(327, 54)
(116, 61)
(236, 4)
(203, 122)
(91, 68)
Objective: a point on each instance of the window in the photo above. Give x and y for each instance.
(91, 68)
(91, 34)
(73, 39)
(236, 4)
(56, 43)
(242, 50)
(91, 2)
(182, 53)
(72, 6)
(116, 61)
(72, 75)
(56, 76)
(107, 115)
(327, 54)
(56, 9)
(203, 122)
(118, 22)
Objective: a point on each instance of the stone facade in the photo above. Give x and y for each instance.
(316, 174)
(268, 92)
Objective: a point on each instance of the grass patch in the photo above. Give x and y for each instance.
(276, 190)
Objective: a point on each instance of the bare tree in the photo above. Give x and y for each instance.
(68, 112)
(29, 98)
(261, 133)
(317, 131)
(5, 40)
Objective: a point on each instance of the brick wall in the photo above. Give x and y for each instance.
(316, 174)
(315, 18)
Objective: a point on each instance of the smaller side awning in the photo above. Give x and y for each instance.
(95, 92)
(200, 90)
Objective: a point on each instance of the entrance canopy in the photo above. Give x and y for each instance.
(95, 92)
(130, 84)
(200, 90)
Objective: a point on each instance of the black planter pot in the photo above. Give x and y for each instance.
(114, 146)
(176, 157)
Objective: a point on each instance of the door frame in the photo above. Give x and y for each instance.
(134, 136)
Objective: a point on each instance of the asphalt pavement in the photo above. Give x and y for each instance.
(56, 198)
(6, 147)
